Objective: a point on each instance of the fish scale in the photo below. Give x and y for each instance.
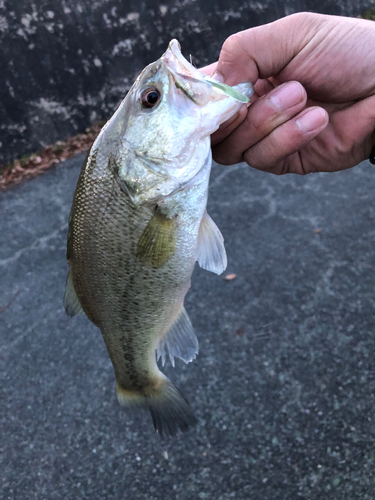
(135, 295)
(138, 224)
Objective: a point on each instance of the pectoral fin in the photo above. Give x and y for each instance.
(157, 244)
(211, 254)
(180, 341)
(71, 302)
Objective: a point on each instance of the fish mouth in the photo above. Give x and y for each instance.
(198, 87)
(176, 63)
(184, 76)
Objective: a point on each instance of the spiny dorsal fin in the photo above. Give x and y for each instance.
(158, 241)
(71, 302)
(211, 254)
(180, 341)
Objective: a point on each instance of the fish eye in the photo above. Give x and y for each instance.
(150, 97)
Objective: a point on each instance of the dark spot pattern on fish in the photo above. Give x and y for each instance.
(134, 381)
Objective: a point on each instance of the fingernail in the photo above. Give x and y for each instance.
(311, 120)
(218, 77)
(287, 95)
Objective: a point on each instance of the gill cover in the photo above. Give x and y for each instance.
(161, 143)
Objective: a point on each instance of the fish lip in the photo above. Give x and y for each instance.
(184, 75)
(178, 65)
(181, 70)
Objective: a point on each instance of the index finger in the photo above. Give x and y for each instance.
(209, 69)
(264, 51)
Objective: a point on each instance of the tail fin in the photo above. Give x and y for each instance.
(169, 409)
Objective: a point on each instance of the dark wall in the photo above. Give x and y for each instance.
(66, 64)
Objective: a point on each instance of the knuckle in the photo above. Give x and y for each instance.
(234, 46)
(257, 117)
(301, 17)
(230, 43)
(220, 157)
(262, 119)
(223, 156)
(254, 160)
(301, 22)
(265, 155)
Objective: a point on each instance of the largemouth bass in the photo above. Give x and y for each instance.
(138, 224)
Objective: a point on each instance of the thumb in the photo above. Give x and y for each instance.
(264, 51)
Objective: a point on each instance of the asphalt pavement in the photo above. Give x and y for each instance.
(283, 387)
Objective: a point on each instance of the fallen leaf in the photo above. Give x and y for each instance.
(240, 331)
(36, 163)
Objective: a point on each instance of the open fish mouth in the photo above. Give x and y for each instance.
(185, 77)
(190, 80)
(175, 62)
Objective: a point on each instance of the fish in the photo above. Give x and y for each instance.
(138, 224)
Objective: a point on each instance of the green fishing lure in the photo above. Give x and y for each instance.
(229, 91)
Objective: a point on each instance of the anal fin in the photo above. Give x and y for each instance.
(180, 341)
(211, 254)
(71, 302)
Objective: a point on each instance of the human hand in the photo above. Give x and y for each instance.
(314, 103)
